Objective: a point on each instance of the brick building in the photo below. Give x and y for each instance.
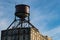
(23, 33)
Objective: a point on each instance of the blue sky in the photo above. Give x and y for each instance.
(44, 15)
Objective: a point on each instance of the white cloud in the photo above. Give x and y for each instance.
(54, 33)
(3, 24)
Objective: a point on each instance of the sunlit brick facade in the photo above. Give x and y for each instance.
(35, 35)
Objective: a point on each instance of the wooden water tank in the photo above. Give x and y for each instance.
(22, 10)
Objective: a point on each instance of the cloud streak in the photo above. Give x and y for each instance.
(54, 33)
(41, 19)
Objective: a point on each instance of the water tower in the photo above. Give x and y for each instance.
(20, 28)
(22, 14)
